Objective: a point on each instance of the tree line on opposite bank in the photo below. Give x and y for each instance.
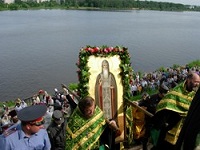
(97, 5)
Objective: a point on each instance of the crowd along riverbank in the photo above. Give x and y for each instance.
(145, 82)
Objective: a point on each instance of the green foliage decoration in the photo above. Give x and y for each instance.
(73, 86)
(103, 51)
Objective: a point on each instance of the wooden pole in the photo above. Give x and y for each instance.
(140, 108)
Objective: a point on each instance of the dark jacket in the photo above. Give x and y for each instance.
(57, 136)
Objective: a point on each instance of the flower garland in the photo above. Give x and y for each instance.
(104, 51)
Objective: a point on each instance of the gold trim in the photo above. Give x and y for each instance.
(92, 121)
(186, 106)
(182, 95)
(173, 134)
(82, 141)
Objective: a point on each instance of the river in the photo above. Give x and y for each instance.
(39, 48)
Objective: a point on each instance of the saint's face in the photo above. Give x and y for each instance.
(105, 65)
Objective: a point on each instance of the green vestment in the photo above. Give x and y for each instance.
(82, 133)
(177, 100)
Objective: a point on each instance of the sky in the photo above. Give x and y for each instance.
(186, 2)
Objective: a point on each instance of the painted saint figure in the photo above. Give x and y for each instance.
(106, 91)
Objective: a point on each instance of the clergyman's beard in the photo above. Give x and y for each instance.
(190, 87)
(105, 74)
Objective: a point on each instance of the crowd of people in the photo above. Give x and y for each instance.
(46, 124)
(62, 121)
(151, 81)
(169, 108)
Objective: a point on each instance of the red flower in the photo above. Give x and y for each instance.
(87, 49)
(106, 50)
(110, 49)
(96, 49)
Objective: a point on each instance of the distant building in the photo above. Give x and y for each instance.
(12, 1)
(8, 1)
(39, 1)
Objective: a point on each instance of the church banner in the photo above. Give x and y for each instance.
(104, 73)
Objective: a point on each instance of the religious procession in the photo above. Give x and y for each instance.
(101, 115)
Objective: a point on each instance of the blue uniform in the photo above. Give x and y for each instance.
(15, 139)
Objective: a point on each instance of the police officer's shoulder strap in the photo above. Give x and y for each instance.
(9, 131)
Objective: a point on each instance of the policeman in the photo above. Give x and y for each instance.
(29, 134)
(56, 131)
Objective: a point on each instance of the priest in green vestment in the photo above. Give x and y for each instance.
(86, 125)
(172, 111)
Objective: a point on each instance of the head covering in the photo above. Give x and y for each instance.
(41, 91)
(163, 89)
(145, 95)
(18, 101)
(56, 90)
(32, 113)
(58, 116)
(12, 113)
(57, 106)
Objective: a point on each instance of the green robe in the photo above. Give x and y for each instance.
(82, 133)
(177, 100)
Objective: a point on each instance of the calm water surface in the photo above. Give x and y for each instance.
(39, 48)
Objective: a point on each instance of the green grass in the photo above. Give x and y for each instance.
(195, 63)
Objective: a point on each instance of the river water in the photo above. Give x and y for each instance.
(39, 48)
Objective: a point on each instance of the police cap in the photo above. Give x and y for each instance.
(58, 116)
(32, 113)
